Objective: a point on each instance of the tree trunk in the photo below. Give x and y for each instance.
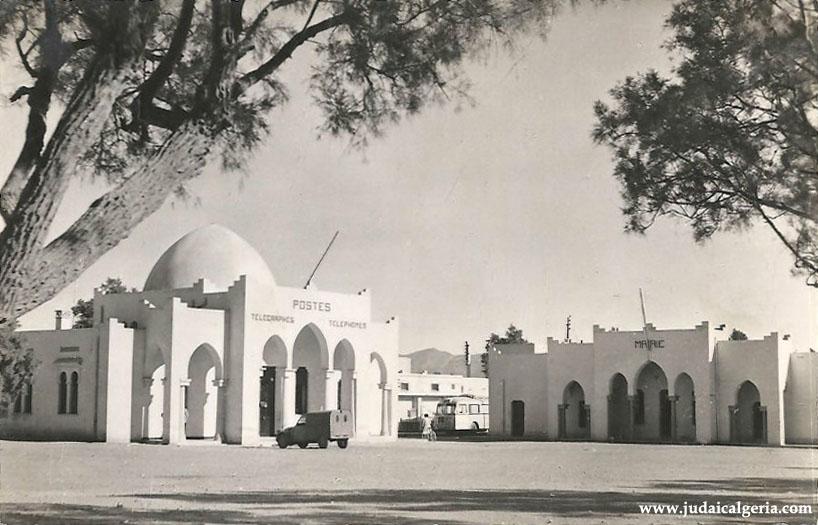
(28, 226)
(112, 217)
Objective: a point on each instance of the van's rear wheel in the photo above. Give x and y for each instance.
(281, 443)
(302, 445)
(323, 443)
(342, 443)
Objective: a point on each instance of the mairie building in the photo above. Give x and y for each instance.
(649, 385)
(212, 348)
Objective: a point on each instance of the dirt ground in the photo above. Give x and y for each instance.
(412, 481)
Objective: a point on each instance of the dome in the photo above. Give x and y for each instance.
(213, 253)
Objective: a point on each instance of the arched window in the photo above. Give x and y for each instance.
(72, 399)
(62, 394)
(22, 405)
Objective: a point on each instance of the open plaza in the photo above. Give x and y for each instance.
(411, 481)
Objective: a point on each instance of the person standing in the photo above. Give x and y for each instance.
(427, 431)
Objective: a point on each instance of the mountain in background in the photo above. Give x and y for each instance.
(434, 361)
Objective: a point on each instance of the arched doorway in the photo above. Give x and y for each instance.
(202, 393)
(619, 417)
(343, 361)
(748, 417)
(153, 421)
(573, 413)
(270, 398)
(685, 408)
(311, 361)
(383, 407)
(651, 405)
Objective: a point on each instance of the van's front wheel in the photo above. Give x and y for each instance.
(323, 443)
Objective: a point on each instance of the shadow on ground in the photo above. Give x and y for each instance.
(370, 507)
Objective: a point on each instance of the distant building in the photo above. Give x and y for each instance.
(419, 393)
(656, 386)
(212, 348)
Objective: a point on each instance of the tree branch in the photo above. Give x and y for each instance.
(112, 217)
(286, 51)
(142, 108)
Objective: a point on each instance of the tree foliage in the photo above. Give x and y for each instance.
(731, 138)
(152, 91)
(513, 335)
(83, 311)
(737, 335)
(16, 365)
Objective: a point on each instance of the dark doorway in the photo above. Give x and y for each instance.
(664, 415)
(517, 418)
(267, 401)
(301, 386)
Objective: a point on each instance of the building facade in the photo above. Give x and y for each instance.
(679, 386)
(419, 393)
(212, 348)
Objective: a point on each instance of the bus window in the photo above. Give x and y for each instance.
(461, 409)
(485, 409)
(474, 409)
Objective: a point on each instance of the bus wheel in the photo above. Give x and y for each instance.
(342, 443)
(301, 444)
(475, 426)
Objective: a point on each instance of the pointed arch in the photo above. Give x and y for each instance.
(311, 361)
(310, 348)
(651, 406)
(343, 361)
(619, 416)
(748, 421)
(685, 398)
(275, 352)
(343, 357)
(377, 359)
(201, 397)
(573, 413)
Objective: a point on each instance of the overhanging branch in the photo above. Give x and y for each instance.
(286, 51)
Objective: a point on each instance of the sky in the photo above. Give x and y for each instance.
(467, 218)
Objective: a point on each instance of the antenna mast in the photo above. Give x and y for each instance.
(642, 302)
(309, 280)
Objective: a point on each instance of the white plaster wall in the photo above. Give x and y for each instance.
(44, 423)
(517, 373)
(685, 350)
(801, 399)
(757, 361)
(117, 345)
(570, 362)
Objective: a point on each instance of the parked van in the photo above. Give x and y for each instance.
(318, 427)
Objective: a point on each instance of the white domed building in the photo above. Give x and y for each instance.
(212, 348)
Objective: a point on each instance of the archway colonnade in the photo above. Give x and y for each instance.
(647, 412)
(289, 385)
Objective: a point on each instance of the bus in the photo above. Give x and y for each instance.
(462, 413)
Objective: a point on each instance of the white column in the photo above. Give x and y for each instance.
(178, 417)
(384, 409)
(221, 403)
(331, 389)
(354, 406)
(278, 417)
(288, 413)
